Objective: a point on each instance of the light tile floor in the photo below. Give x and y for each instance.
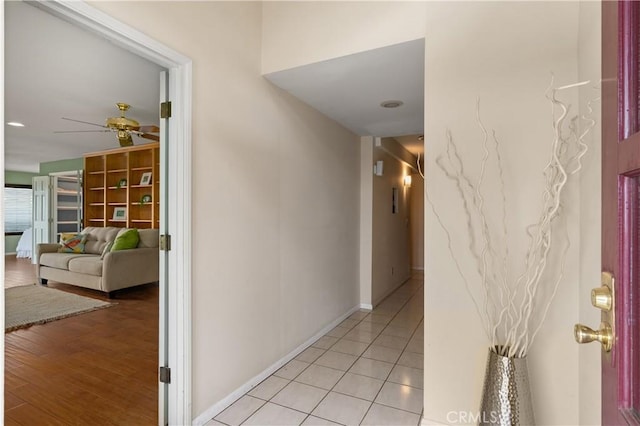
(366, 371)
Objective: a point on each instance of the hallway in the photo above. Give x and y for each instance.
(366, 371)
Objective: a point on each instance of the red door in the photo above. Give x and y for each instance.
(621, 207)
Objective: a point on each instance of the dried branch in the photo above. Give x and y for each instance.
(512, 312)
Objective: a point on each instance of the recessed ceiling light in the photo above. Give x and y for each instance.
(391, 104)
(15, 124)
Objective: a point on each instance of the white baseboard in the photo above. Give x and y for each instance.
(219, 406)
(366, 306)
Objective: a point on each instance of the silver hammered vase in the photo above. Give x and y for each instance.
(506, 397)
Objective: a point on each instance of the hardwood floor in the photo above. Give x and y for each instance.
(18, 271)
(98, 368)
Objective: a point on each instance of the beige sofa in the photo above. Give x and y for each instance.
(116, 270)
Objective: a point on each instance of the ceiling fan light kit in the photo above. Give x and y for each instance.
(124, 138)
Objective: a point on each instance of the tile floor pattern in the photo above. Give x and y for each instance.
(366, 371)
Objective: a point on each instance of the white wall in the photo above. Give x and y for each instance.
(390, 259)
(589, 61)
(366, 220)
(416, 225)
(502, 52)
(385, 241)
(276, 197)
(304, 32)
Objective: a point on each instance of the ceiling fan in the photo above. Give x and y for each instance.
(123, 126)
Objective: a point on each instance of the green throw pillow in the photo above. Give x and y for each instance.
(72, 243)
(127, 240)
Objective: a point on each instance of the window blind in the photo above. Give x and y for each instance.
(17, 209)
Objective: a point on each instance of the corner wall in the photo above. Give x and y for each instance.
(501, 52)
(366, 221)
(385, 236)
(416, 226)
(390, 259)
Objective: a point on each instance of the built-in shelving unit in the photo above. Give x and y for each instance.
(114, 181)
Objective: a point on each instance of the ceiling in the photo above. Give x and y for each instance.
(53, 70)
(412, 143)
(350, 89)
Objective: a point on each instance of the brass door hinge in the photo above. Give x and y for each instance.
(165, 109)
(165, 242)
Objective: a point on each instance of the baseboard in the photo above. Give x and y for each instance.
(11, 254)
(418, 269)
(366, 306)
(219, 406)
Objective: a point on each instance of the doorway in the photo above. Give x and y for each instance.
(174, 340)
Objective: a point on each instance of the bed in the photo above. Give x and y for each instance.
(25, 245)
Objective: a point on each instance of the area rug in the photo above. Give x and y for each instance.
(34, 304)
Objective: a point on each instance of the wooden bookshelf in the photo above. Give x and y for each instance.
(113, 179)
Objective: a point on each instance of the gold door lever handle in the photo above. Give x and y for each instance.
(604, 335)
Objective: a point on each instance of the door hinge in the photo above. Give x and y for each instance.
(165, 242)
(165, 109)
(165, 375)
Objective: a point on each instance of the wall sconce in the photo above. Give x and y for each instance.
(407, 181)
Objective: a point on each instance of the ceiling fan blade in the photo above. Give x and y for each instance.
(149, 136)
(145, 135)
(85, 122)
(148, 129)
(81, 131)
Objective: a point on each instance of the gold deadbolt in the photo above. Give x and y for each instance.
(604, 335)
(602, 298)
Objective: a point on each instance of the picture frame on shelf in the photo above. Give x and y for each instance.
(145, 179)
(119, 213)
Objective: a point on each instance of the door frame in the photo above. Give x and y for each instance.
(178, 153)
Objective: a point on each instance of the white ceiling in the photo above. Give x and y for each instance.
(53, 70)
(350, 89)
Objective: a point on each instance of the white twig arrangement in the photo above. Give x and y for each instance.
(513, 307)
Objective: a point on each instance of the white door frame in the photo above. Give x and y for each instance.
(179, 188)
